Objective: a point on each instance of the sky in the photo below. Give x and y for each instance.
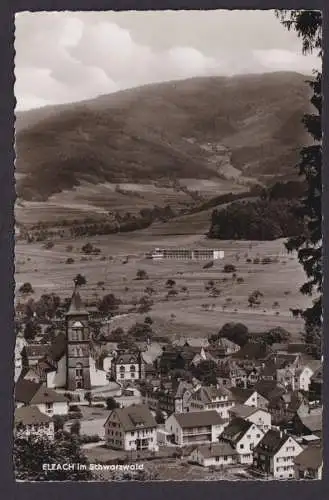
(64, 57)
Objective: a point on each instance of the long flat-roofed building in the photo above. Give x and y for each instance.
(187, 254)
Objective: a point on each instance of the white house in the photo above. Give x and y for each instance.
(261, 418)
(131, 428)
(211, 398)
(48, 401)
(275, 455)
(244, 436)
(128, 366)
(214, 455)
(30, 421)
(195, 427)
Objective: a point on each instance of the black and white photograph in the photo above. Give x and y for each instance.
(168, 246)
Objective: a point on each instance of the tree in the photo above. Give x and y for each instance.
(141, 275)
(80, 280)
(109, 303)
(26, 288)
(111, 404)
(87, 248)
(88, 397)
(236, 332)
(148, 320)
(254, 298)
(31, 330)
(75, 428)
(170, 283)
(159, 418)
(308, 26)
(229, 268)
(30, 455)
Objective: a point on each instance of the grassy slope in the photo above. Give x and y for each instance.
(142, 134)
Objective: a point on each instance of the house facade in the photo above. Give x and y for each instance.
(128, 366)
(309, 463)
(48, 401)
(211, 398)
(194, 427)
(275, 455)
(258, 416)
(132, 429)
(214, 455)
(30, 421)
(243, 437)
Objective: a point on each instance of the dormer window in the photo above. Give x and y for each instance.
(77, 330)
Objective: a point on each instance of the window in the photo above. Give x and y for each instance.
(122, 375)
(132, 368)
(225, 458)
(257, 435)
(217, 459)
(248, 436)
(79, 376)
(241, 446)
(122, 368)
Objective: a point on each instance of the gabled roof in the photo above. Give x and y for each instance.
(76, 305)
(30, 415)
(310, 458)
(198, 418)
(35, 350)
(236, 429)
(32, 393)
(134, 417)
(252, 351)
(207, 394)
(243, 411)
(269, 389)
(127, 358)
(313, 422)
(271, 443)
(240, 394)
(25, 390)
(221, 449)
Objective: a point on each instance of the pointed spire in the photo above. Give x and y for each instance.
(76, 305)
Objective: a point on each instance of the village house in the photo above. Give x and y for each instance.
(195, 427)
(309, 463)
(131, 428)
(33, 353)
(30, 421)
(243, 437)
(129, 396)
(252, 354)
(302, 379)
(211, 398)
(230, 374)
(248, 397)
(174, 396)
(214, 455)
(203, 355)
(128, 366)
(33, 394)
(261, 418)
(275, 455)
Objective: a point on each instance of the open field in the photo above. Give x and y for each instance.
(192, 311)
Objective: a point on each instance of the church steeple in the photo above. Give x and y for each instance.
(76, 305)
(78, 348)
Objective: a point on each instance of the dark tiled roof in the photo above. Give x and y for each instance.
(243, 411)
(241, 395)
(269, 389)
(310, 458)
(208, 394)
(252, 351)
(220, 449)
(134, 417)
(198, 419)
(236, 429)
(29, 392)
(36, 350)
(47, 395)
(30, 415)
(271, 442)
(127, 358)
(25, 390)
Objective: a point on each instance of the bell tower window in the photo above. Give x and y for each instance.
(79, 376)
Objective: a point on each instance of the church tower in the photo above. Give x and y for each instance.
(77, 345)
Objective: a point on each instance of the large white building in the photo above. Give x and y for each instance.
(131, 428)
(195, 427)
(187, 254)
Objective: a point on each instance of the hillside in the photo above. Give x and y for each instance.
(231, 131)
